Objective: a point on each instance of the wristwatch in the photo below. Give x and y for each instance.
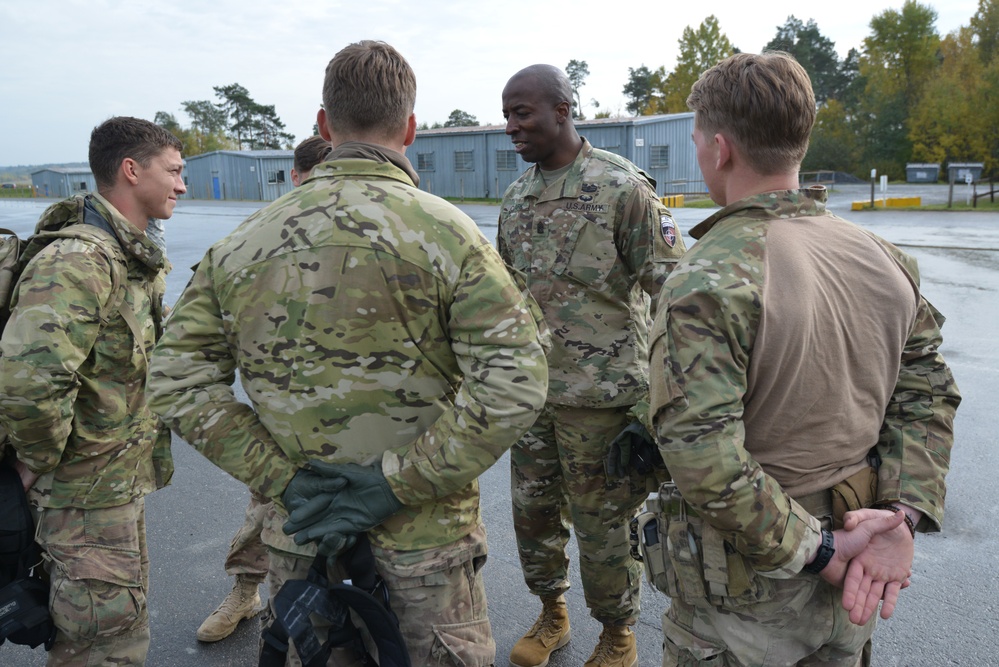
(823, 555)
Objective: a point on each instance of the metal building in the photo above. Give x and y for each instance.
(262, 175)
(63, 181)
(478, 162)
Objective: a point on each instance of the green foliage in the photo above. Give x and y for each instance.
(985, 24)
(577, 71)
(816, 53)
(833, 144)
(459, 118)
(638, 90)
(699, 50)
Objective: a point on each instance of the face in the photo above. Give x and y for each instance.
(707, 157)
(532, 122)
(160, 183)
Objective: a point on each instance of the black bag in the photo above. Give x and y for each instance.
(24, 594)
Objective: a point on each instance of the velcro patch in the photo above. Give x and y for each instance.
(668, 228)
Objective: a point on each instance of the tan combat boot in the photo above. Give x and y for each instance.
(242, 602)
(616, 648)
(548, 634)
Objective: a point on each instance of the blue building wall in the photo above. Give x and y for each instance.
(62, 182)
(239, 175)
(479, 161)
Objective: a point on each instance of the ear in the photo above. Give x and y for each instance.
(296, 180)
(723, 151)
(129, 170)
(324, 131)
(410, 130)
(563, 111)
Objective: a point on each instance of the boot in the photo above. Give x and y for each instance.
(616, 648)
(243, 601)
(548, 634)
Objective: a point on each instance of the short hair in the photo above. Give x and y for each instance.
(311, 152)
(764, 102)
(121, 137)
(552, 83)
(368, 87)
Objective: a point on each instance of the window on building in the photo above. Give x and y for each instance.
(463, 161)
(659, 157)
(506, 160)
(83, 186)
(275, 176)
(425, 161)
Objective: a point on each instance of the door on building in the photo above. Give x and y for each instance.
(216, 189)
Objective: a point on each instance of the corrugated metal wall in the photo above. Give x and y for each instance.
(239, 175)
(476, 162)
(63, 183)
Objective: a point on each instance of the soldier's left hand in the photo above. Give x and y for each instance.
(634, 448)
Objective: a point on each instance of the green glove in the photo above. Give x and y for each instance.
(632, 448)
(332, 519)
(307, 484)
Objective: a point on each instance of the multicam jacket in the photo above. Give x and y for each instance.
(790, 343)
(369, 322)
(596, 245)
(72, 379)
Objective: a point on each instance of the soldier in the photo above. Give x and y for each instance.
(595, 244)
(247, 557)
(72, 384)
(378, 335)
(777, 425)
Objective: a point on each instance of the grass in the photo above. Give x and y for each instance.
(16, 193)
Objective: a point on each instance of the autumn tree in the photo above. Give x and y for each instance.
(577, 71)
(699, 50)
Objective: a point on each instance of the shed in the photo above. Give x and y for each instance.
(922, 172)
(63, 181)
(261, 175)
(479, 162)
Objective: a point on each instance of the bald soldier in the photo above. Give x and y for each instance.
(594, 243)
(389, 360)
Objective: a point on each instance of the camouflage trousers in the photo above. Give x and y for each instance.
(558, 482)
(438, 594)
(98, 564)
(803, 624)
(247, 553)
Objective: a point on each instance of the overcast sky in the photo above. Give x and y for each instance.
(69, 64)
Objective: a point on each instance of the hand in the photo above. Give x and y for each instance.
(309, 483)
(28, 478)
(880, 571)
(632, 447)
(332, 519)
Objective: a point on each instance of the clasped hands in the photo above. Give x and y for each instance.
(331, 503)
(872, 562)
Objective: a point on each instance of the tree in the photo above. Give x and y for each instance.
(256, 125)
(459, 118)
(985, 24)
(900, 56)
(638, 90)
(699, 50)
(833, 144)
(577, 71)
(815, 52)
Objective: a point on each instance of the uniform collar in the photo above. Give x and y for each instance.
(777, 204)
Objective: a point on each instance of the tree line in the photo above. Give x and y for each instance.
(235, 122)
(907, 95)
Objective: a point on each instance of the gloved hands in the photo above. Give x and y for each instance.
(632, 448)
(346, 499)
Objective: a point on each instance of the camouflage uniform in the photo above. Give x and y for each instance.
(247, 552)
(762, 396)
(594, 246)
(72, 384)
(369, 322)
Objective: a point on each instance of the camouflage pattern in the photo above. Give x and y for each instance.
(805, 608)
(438, 595)
(712, 305)
(369, 322)
(98, 564)
(72, 380)
(593, 247)
(557, 482)
(247, 552)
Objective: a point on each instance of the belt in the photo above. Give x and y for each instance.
(818, 504)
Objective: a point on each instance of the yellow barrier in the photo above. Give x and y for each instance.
(891, 202)
(672, 201)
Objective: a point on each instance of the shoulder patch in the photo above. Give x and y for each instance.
(668, 229)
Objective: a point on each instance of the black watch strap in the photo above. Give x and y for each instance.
(823, 555)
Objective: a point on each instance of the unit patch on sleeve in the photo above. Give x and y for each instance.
(668, 228)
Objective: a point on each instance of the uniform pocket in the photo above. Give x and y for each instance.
(682, 648)
(463, 645)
